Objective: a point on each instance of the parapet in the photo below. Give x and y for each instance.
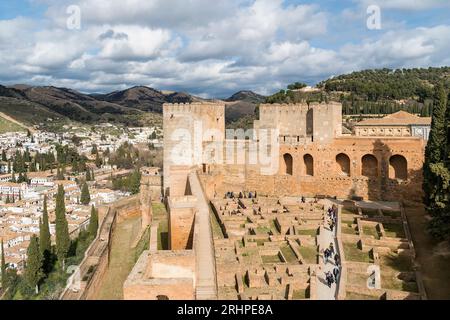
(196, 107)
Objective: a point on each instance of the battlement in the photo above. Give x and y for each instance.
(196, 107)
(298, 106)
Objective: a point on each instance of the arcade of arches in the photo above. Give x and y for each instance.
(398, 166)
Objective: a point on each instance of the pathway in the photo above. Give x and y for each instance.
(204, 248)
(324, 239)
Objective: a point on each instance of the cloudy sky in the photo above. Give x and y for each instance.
(213, 48)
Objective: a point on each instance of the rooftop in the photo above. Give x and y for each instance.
(399, 118)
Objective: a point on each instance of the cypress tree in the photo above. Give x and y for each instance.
(45, 243)
(61, 228)
(3, 267)
(3, 155)
(93, 222)
(434, 150)
(33, 270)
(436, 171)
(85, 196)
(88, 175)
(7, 199)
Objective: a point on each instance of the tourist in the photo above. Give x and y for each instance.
(331, 248)
(337, 259)
(336, 273)
(326, 255)
(329, 278)
(332, 226)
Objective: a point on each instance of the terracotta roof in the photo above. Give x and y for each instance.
(397, 119)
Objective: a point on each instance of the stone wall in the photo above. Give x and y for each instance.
(328, 177)
(84, 284)
(162, 275)
(181, 222)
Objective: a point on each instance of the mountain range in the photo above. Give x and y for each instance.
(33, 105)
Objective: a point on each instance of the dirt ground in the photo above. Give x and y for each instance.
(435, 265)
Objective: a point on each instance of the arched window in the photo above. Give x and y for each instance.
(398, 167)
(369, 166)
(343, 162)
(308, 162)
(288, 164)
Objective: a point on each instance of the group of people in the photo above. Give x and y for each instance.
(329, 253)
(332, 217)
(231, 195)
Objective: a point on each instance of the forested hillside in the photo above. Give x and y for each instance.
(381, 91)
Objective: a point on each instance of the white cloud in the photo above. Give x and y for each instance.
(412, 5)
(208, 48)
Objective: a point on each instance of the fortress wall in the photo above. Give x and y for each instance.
(328, 178)
(97, 255)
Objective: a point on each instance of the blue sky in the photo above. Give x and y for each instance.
(214, 48)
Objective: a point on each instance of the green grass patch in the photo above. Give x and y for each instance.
(349, 229)
(289, 254)
(271, 259)
(371, 231)
(300, 294)
(309, 253)
(159, 210)
(163, 235)
(394, 230)
(353, 253)
(308, 232)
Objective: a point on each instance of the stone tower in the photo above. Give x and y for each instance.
(186, 128)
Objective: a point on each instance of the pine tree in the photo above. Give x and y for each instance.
(61, 228)
(93, 222)
(85, 196)
(3, 267)
(33, 270)
(45, 242)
